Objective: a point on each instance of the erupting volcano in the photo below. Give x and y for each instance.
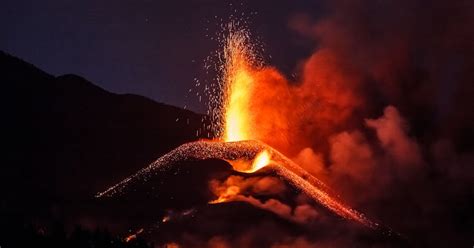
(239, 140)
(229, 124)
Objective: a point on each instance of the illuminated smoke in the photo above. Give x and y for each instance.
(236, 188)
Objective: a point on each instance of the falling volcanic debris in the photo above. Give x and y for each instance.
(238, 143)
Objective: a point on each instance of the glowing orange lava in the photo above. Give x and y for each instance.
(262, 160)
(240, 80)
(239, 84)
(133, 236)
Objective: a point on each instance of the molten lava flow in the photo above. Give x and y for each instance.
(262, 160)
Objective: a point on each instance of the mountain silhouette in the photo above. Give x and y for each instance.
(67, 138)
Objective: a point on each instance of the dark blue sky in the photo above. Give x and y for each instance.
(151, 48)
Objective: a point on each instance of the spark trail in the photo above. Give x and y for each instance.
(246, 150)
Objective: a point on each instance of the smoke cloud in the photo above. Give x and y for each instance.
(382, 112)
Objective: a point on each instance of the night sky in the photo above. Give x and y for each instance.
(145, 47)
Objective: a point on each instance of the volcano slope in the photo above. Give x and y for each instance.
(280, 165)
(175, 177)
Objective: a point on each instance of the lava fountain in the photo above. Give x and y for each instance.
(239, 144)
(239, 62)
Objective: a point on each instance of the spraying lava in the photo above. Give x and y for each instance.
(238, 86)
(239, 142)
